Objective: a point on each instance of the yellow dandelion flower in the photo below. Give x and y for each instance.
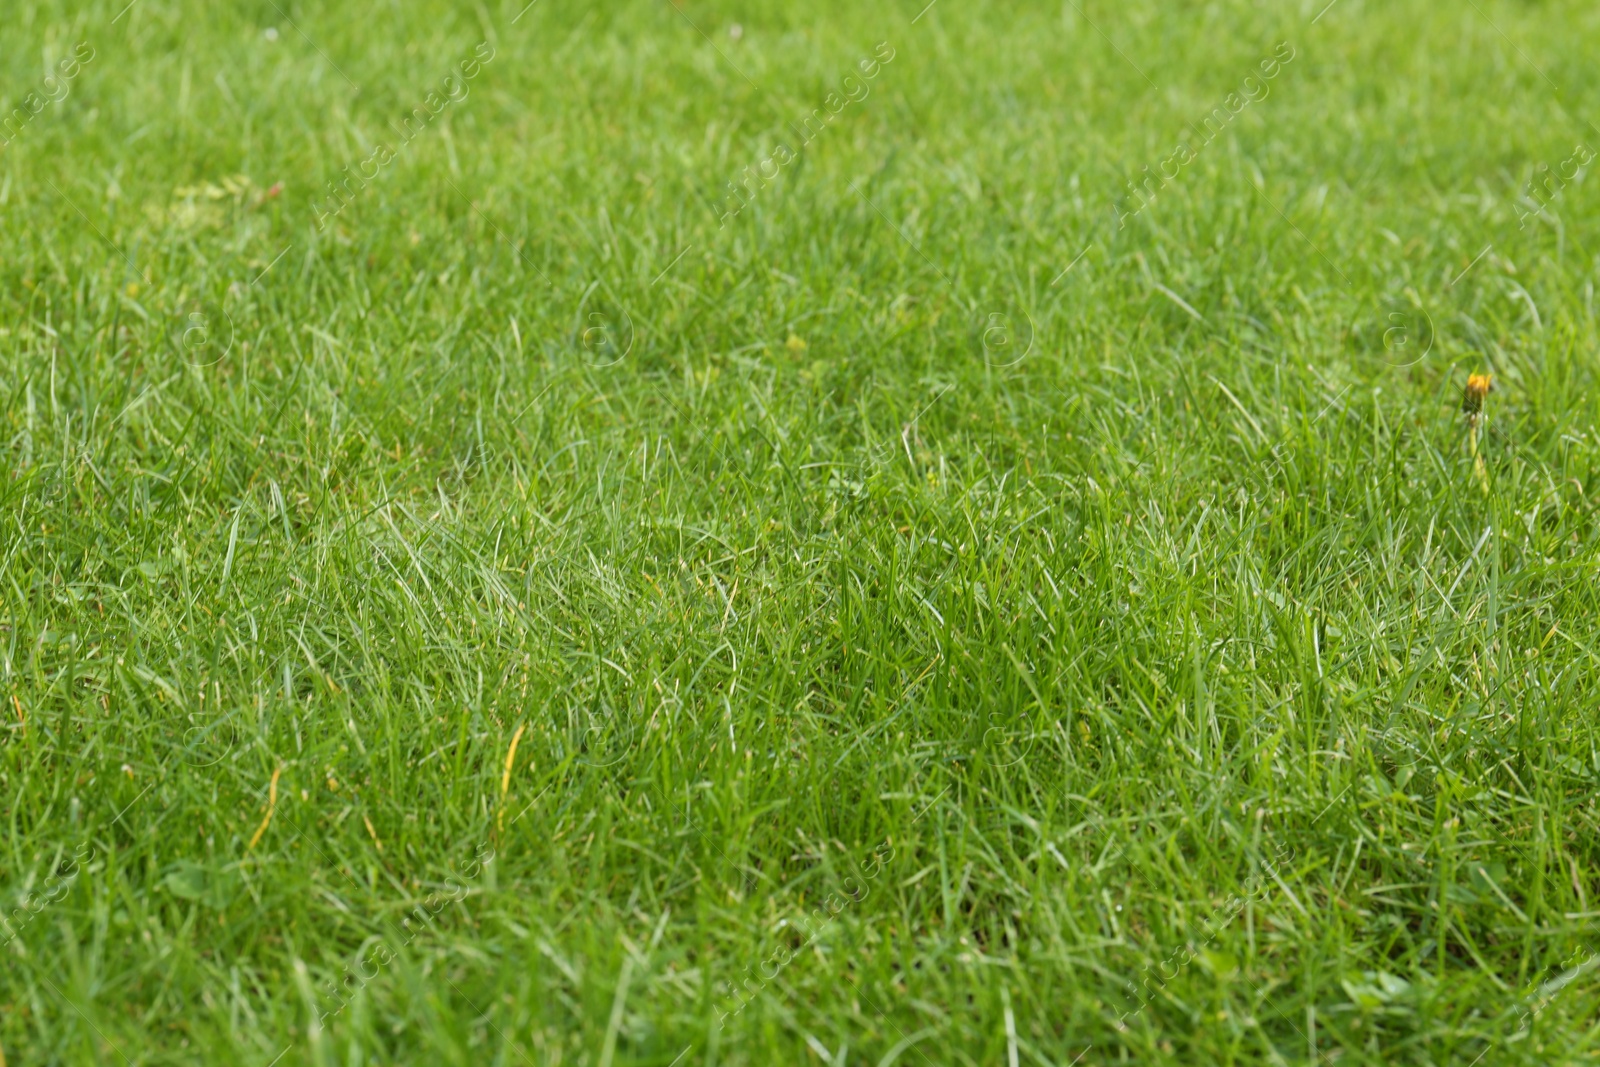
(1478, 386)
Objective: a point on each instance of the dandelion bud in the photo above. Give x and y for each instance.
(1478, 386)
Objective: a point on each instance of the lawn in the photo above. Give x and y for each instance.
(679, 532)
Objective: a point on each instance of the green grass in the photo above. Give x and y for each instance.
(981, 663)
